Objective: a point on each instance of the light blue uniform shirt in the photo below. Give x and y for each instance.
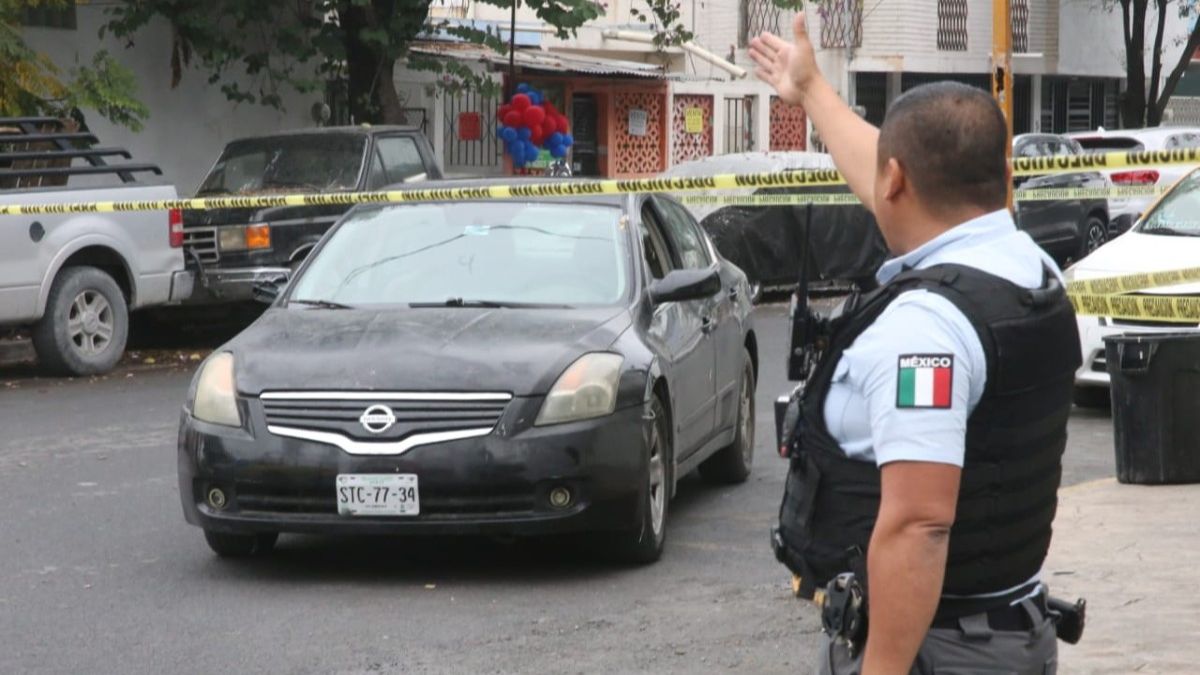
(863, 411)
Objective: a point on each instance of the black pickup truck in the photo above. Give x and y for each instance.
(236, 249)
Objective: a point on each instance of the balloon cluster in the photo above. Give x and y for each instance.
(530, 122)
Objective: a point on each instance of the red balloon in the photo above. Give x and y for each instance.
(563, 127)
(549, 126)
(504, 110)
(521, 102)
(534, 116)
(513, 119)
(536, 136)
(551, 111)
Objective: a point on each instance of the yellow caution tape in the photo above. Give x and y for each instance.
(1023, 166)
(1128, 283)
(1166, 308)
(845, 199)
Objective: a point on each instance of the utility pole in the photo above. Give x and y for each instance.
(1002, 80)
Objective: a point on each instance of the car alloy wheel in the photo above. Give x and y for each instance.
(90, 323)
(658, 480)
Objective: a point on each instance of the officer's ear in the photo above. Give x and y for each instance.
(895, 180)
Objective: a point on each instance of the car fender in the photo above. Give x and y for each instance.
(68, 240)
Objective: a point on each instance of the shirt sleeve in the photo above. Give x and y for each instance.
(922, 371)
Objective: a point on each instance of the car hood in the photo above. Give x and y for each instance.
(1137, 253)
(521, 351)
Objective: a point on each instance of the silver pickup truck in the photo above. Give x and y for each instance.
(73, 279)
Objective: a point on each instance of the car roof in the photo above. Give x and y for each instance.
(619, 200)
(351, 130)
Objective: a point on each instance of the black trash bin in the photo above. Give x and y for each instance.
(1156, 406)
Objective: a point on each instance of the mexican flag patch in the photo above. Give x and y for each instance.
(925, 381)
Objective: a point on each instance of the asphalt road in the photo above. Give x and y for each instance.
(99, 573)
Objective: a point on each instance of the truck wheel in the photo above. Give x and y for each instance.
(85, 326)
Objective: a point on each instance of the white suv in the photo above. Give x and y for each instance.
(1123, 211)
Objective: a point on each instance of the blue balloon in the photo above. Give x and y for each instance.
(509, 134)
(523, 87)
(535, 98)
(556, 138)
(524, 133)
(568, 140)
(558, 152)
(531, 150)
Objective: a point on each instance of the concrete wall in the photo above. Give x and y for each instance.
(188, 125)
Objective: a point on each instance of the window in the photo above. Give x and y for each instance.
(1183, 141)
(401, 159)
(42, 16)
(658, 256)
(377, 178)
(739, 124)
(952, 25)
(682, 230)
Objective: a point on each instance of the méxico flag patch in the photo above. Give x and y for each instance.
(925, 381)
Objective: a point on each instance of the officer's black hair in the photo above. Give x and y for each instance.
(950, 139)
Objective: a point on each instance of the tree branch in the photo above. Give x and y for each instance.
(1160, 105)
(1156, 62)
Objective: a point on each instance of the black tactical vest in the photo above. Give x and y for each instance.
(1014, 441)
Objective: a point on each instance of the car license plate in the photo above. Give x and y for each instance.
(377, 494)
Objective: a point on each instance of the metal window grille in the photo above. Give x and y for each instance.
(841, 23)
(739, 124)
(1079, 106)
(754, 17)
(1019, 15)
(952, 25)
(484, 152)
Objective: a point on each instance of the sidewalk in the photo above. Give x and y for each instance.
(1134, 552)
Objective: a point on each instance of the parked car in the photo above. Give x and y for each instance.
(234, 249)
(514, 367)
(1068, 229)
(843, 245)
(73, 279)
(1124, 211)
(1166, 238)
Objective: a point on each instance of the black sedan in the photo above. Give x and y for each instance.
(526, 367)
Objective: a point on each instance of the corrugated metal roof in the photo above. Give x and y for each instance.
(557, 62)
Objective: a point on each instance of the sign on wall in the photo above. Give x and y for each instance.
(693, 120)
(637, 122)
(469, 126)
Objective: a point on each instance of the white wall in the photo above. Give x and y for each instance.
(188, 125)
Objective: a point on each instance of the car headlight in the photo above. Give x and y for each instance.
(216, 398)
(586, 389)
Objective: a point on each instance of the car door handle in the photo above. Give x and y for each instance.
(706, 324)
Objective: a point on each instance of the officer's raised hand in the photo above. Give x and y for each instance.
(790, 68)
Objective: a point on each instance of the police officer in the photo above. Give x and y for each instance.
(927, 458)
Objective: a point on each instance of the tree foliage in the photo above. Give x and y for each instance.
(254, 51)
(1147, 94)
(32, 84)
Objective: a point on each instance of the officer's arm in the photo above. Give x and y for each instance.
(792, 69)
(906, 560)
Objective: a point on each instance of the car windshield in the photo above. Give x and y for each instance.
(1179, 211)
(310, 162)
(471, 254)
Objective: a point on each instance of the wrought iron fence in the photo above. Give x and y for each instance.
(1019, 15)
(952, 25)
(471, 131)
(739, 124)
(841, 23)
(754, 17)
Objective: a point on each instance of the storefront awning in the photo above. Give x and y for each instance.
(551, 62)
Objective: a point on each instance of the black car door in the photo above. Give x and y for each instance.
(726, 316)
(1051, 223)
(682, 332)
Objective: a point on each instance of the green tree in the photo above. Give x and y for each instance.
(32, 84)
(254, 50)
(1146, 98)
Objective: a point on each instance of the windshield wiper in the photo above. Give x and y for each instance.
(1169, 231)
(490, 304)
(320, 304)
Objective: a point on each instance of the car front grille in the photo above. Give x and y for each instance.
(387, 423)
(203, 242)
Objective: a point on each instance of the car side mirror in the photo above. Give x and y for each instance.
(683, 285)
(267, 290)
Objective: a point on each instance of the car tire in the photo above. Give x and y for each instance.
(86, 323)
(240, 545)
(732, 464)
(644, 544)
(1096, 398)
(1095, 234)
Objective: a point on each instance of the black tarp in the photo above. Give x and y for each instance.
(767, 242)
